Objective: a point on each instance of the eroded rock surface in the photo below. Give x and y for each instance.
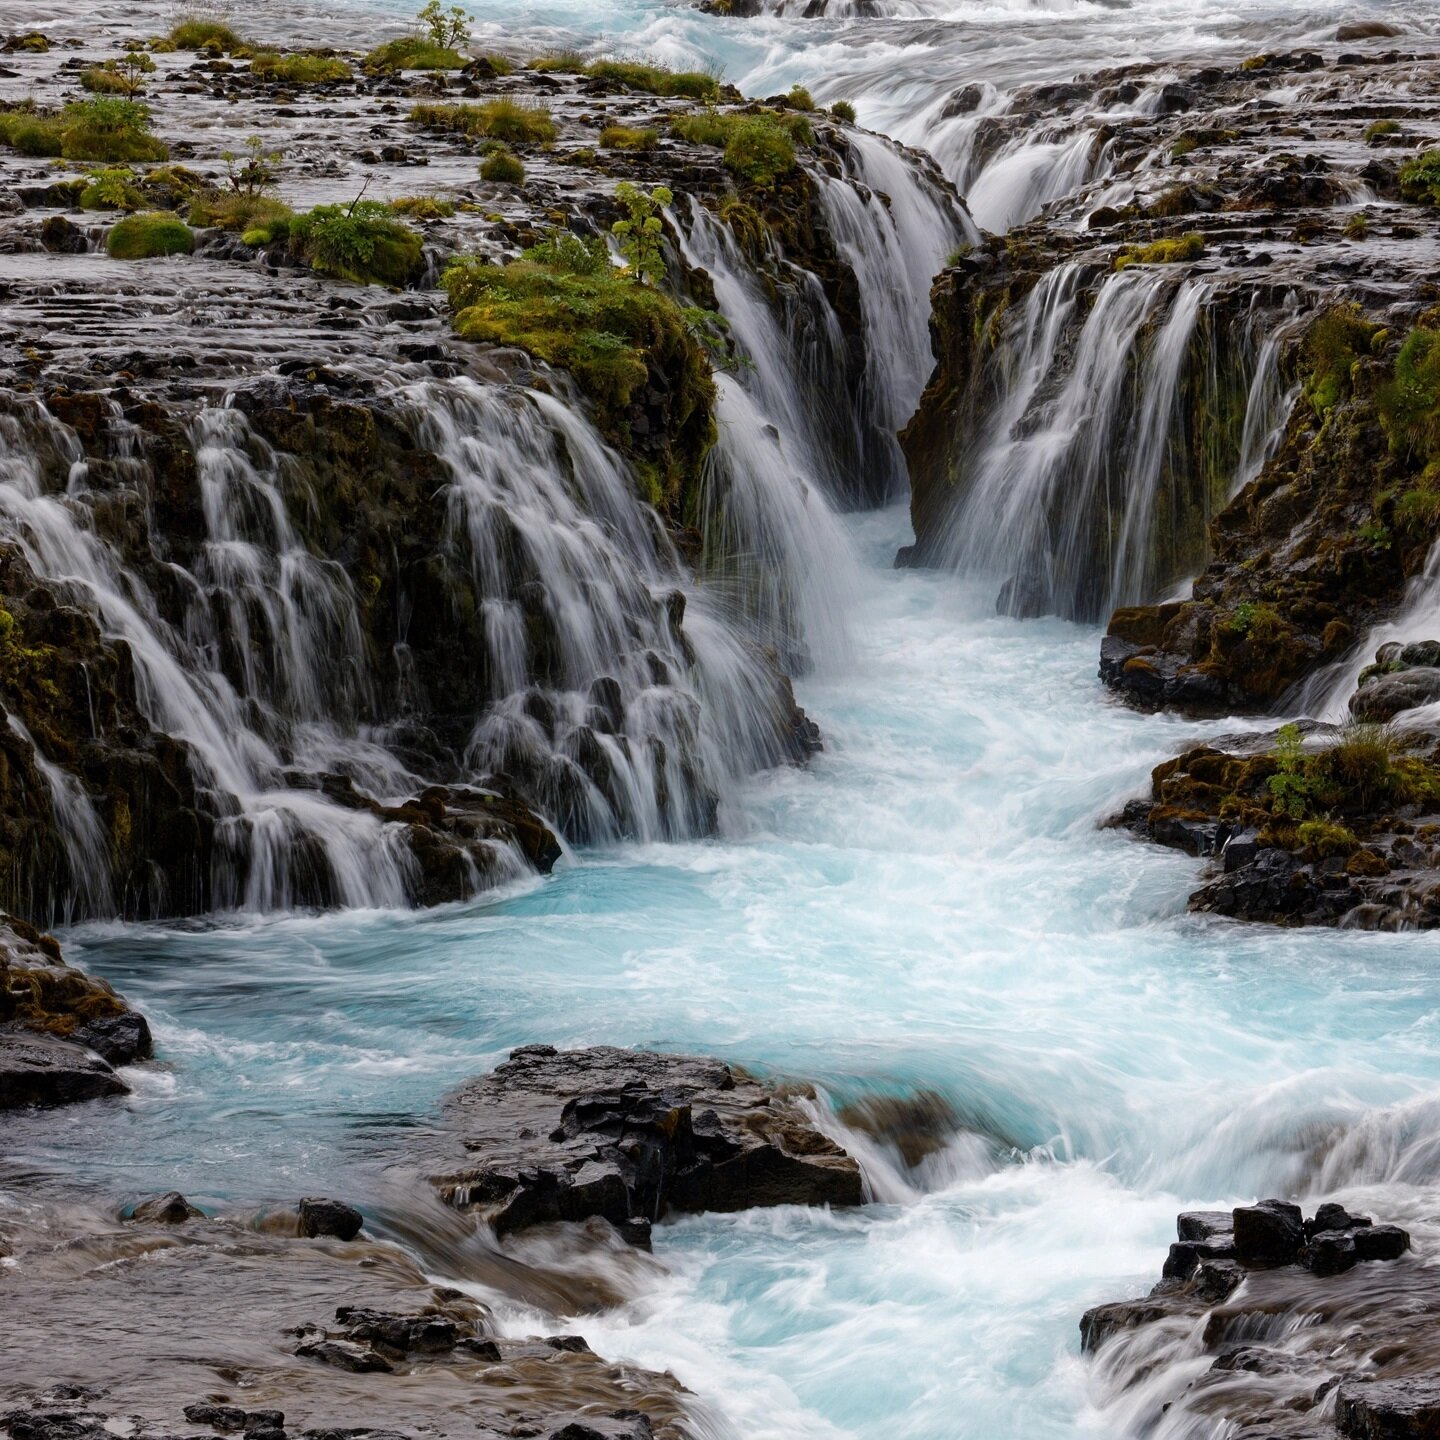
(629, 1135)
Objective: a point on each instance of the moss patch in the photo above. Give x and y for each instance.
(365, 242)
(1171, 251)
(144, 237)
(507, 120)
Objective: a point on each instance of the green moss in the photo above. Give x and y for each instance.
(559, 62)
(507, 120)
(33, 43)
(196, 32)
(565, 303)
(502, 166)
(1170, 251)
(365, 242)
(1332, 348)
(1379, 129)
(625, 137)
(236, 211)
(299, 69)
(1255, 62)
(1417, 511)
(423, 207)
(1357, 227)
(412, 52)
(1254, 620)
(143, 237)
(1185, 145)
(843, 110)
(1410, 403)
(1420, 178)
(1325, 838)
(760, 152)
(104, 128)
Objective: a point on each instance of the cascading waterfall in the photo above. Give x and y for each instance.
(1085, 486)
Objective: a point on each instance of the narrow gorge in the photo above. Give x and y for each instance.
(702, 701)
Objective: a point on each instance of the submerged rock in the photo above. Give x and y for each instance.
(630, 1135)
(319, 1216)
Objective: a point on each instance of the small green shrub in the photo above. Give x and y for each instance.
(125, 76)
(412, 52)
(654, 79)
(642, 232)
(1420, 178)
(365, 242)
(1185, 145)
(423, 207)
(112, 190)
(1417, 511)
(1325, 838)
(625, 137)
(799, 98)
(507, 120)
(1291, 787)
(446, 28)
(1357, 227)
(299, 69)
(1379, 129)
(760, 152)
(144, 237)
(707, 127)
(1410, 403)
(502, 166)
(106, 128)
(195, 32)
(843, 110)
(1171, 251)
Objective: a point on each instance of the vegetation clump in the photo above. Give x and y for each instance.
(112, 189)
(302, 68)
(1170, 251)
(502, 166)
(1410, 403)
(843, 110)
(641, 233)
(144, 237)
(799, 98)
(123, 76)
(1381, 129)
(105, 128)
(1364, 771)
(365, 242)
(1420, 178)
(1333, 346)
(759, 146)
(412, 52)
(650, 77)
(626, 137)
(509, 120)
(200, 32)
(1357, 227)
(423, 207)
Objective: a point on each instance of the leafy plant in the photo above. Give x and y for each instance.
(253, 170)
(1291, 788)
(113, 189)
(1420, 178)
(124, 76)
(365, 242)
(642, 232)
(446, 28)
(760, 151)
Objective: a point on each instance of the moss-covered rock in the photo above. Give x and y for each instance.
(144, 237)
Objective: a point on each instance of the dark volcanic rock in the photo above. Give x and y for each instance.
(319, 1216)
(42, 1070)
(1389, 1409)
(619, 1134)
(171, 1209)
(1270, 1233)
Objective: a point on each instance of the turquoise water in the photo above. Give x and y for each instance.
(930, 905)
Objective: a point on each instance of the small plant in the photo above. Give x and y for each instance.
(233, 210)
(654, 79)
(1357, 227)
(1374, 534)
(1183, 146)
(445, 28)
(1291, 788)
(559, 62)
(423, 207)
(112, 190)
(642, 232)
(1162, 252)
(198, 32)
(144, 237)
(253, 170)
(1380, 130)
(843, 110)
(411, 52)
(365, 242)
(125, 76)
(106, 128)
(502, 166)
(299, 69)
(1333, 346)
(799, 98)
(1420, 178)
(625, 137)
(1325, 838)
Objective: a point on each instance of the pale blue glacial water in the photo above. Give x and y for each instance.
(929, 905)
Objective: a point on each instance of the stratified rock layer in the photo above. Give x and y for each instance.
(629, 1135)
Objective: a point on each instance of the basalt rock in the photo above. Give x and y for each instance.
(319, 1216)
(623, 1135)
(61, 1030)
(1293, 1312)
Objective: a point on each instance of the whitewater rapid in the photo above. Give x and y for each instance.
(930, 906)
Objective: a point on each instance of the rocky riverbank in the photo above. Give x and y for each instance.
(1268, 1323)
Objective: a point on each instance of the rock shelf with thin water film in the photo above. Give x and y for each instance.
(1275, 1325)
(309, 601)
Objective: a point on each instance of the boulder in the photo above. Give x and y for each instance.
(1407, 1409)
(1270, 1233)
(1366, 30)
(1383, 697)
(619, 1134)
(43, 1070)
(171, 1209)
(319, 1216)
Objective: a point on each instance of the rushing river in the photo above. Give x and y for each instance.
(930, 906)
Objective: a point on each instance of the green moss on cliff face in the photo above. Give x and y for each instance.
(1334, 345)
(565, 303)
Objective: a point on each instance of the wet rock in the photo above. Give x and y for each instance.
(324, 1217)
(1366, 30)
(1329, 1252)
(397, 1335)
(63, 237)
(41, 1070)
(54, 1425)
(1386, 696)
(117, 1039)
(171, 1209)
(555, 1135)
(231, 1418)
(1270, 1233)
(1205, 1224)
(1407, 1409)
(345, 1355)
(1378, 1242)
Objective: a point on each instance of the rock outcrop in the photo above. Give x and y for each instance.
(1234, 1290)
(62, 1032)
(628, 1136)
